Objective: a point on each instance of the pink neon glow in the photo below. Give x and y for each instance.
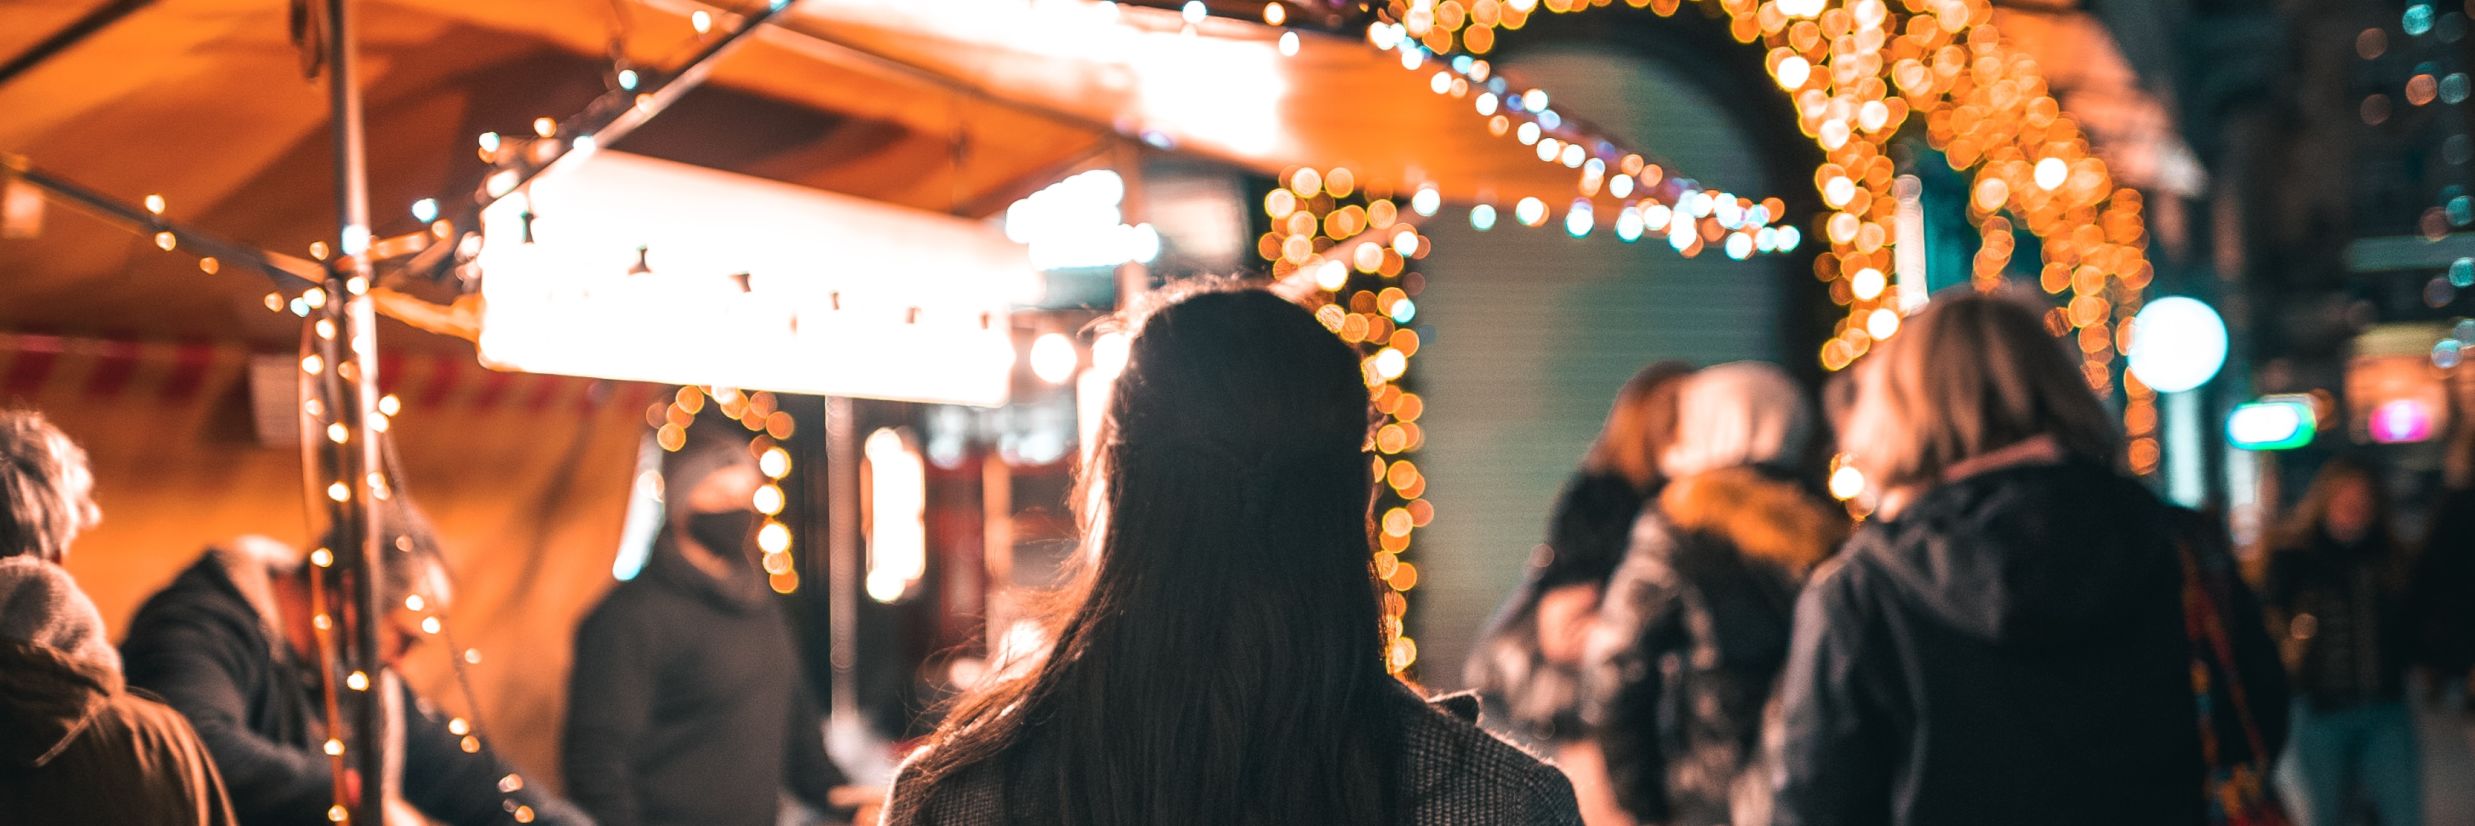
(2401, 421)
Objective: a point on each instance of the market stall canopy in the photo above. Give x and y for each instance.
(953, 107)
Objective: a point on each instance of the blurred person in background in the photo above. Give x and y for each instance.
(1220, 656)
(2008, 640)
(687, 704)
(232, 644)
(1687, 645)
(2336, 589)
(75, 745)
(2443, 591)
(1529, 657)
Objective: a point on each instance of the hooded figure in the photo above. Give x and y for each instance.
(687, 704)
(75, 746)
(1694, 628)
(2006, 641)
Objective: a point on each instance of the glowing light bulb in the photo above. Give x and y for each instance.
(1053, 358)
(2051, 173)
(1628, 226)
(1426, 201)
(1882, 324)
(1530, 212)
(1579, 221)
(1331, 276)
(1792, 73)
(1846, 483)
(1390, 364)
(1482, 217)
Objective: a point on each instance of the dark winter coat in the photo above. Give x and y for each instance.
(1451, 772)
(1690, 639)
(75, 746)
(686, 705)
(2011, 649)
(207, 644)
(2443, 592)
(1593, 520)
(2344, 613)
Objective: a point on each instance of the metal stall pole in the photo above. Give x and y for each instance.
(842, 559)
(1134, 278)
(352, 349)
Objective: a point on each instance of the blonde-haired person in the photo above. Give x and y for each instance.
(75, 745)
(1683, 653)
(2005, 642)
(46, 488)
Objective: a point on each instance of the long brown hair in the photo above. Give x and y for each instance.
(1971, 374)
(1639, 426)
(1223, 658)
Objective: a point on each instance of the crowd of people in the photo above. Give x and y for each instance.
(2020, 632)
(215, 708)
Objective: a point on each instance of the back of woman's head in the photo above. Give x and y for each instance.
(1971, 374)
(1225, 661)
(1640, 425)
(38, 507)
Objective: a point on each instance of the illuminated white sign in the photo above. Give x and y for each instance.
(897, 514)
(1075, 223)
(625, 267)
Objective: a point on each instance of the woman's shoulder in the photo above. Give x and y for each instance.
(969, 795)
(1457, 772)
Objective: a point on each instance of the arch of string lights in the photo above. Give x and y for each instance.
(1859, 74)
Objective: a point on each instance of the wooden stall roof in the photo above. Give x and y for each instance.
(957, 107)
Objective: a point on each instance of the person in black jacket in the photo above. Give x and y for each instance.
(231, 645)
(1688, 643)
(2336, 590)
(686, 704)
(2005, 642)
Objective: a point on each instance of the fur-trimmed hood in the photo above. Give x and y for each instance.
(1764, 516)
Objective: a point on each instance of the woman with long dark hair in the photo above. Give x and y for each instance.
(2024, 634)
(1223, 661)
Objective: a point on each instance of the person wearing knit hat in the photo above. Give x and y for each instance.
(75, 745)
(687, 704)
(1679, 663)
(1741, 414)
